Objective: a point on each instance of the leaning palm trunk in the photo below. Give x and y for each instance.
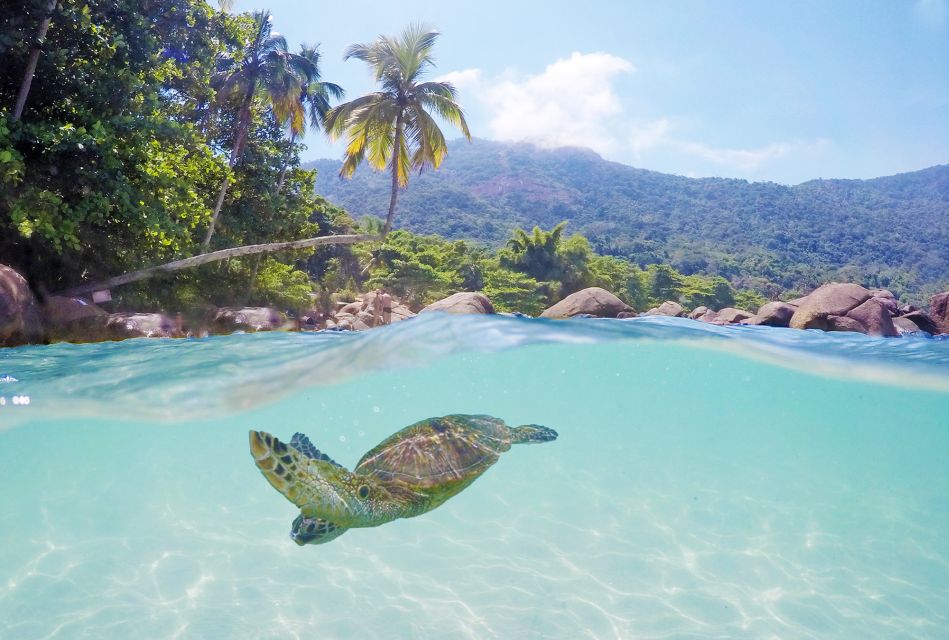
(216, 256)
(32, 62)
(286, 162)
(242, 126)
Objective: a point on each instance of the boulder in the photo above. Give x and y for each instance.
(593, 301)
(73, 320)
(905, 325)
(731, 315)
(922, 320)
(19, 314)
(623, 315)
(834, 299)
(875, 316)
(710, 316)
(882, 293)
(773, 314)
(352, 307)
(939, 311)
(462, 302)
(667, 308)
(890, 304)
(841, 323)
(907, 308)
(119, 326)
(698, 312)
(229, 319)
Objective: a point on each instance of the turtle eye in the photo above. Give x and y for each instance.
(363, 491)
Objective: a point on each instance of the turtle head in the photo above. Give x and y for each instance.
(531, 434)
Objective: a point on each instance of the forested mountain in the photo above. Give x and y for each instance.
(891, 231)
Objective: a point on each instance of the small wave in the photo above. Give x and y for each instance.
(179, 379)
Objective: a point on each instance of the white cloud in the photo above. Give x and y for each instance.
(462, 79)
(571, 103)
(574, 102)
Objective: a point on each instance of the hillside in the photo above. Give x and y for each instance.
(891, 231)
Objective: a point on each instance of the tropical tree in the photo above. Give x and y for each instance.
(393, 128)
(315, 98)
(269, 72)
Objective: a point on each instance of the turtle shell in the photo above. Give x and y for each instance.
(438, 452)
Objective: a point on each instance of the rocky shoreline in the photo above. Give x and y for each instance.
(831, 307)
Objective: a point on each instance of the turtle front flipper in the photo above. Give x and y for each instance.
(532, 434)
(314, 530)
(312, 484)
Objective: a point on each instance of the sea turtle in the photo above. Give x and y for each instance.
(407, 474)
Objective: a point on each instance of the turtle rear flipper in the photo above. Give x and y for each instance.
(531, 434)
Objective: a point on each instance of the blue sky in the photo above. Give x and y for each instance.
(782, 91)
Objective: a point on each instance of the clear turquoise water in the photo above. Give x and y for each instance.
(708, 482)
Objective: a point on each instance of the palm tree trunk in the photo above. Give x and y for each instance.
(215, 256)
(396, 151)
(31, 63)
(243, 124)
(286, 162)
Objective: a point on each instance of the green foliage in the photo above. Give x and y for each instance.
(118, 158)
(749, 300)
(513, 291)
(702, 291)
(282, 286)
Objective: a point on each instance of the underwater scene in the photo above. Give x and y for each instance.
(704, 482)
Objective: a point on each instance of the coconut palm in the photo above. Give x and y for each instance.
(266, 72)
(315, 99)
(393, 128)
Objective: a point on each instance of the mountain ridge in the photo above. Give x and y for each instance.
(890, 231)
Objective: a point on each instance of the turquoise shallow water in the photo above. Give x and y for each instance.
(708, 482)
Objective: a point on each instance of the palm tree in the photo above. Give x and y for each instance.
(315, 98)
(536, 254)
(267, 72)
(393, 127)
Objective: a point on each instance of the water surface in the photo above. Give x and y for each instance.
(708, 482)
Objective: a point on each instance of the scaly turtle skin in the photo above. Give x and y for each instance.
(407, 474)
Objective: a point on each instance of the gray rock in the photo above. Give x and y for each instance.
(667, 308)
(711, 317)
(19, 313)
(922, 320)
(841, 323)
(622, 315)
(875, 316)
(834, 299)
(905, 325)
(698, 312)
(593, 301)
(773, 314)
(229, 319)
(119, 326)
(939, 311)
(731, 315)
(890, 304)
(74, 320)
(462, 302)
